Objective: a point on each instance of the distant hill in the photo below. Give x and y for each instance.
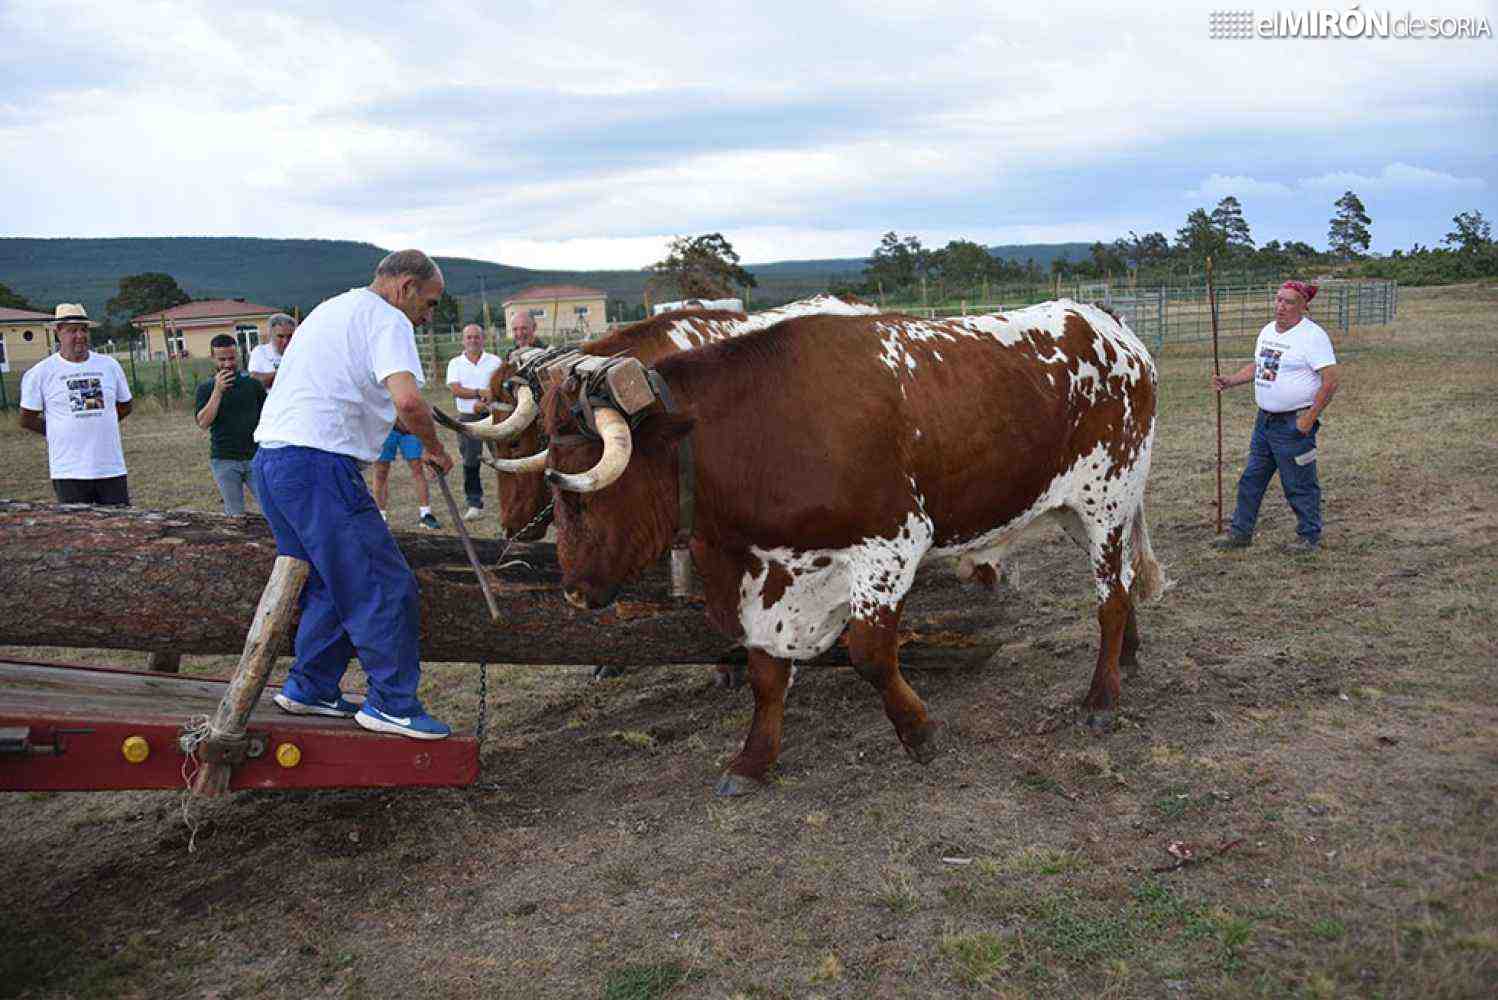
(301, 273)
(298, 273)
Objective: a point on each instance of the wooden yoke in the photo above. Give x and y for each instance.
(226, 743)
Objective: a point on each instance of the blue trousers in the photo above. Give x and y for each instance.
(1278, 445)
(360, 597)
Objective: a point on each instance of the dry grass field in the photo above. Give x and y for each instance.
(1322, 732)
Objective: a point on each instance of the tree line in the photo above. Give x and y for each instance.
(900, 267)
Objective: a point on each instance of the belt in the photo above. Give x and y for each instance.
(1271, 417)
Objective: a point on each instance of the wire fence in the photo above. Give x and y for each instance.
(1171, 315)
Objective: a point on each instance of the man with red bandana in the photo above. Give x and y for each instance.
(1295, 376)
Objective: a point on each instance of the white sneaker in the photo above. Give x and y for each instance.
(473, 513)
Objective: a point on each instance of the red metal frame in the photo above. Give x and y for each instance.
(116, 704)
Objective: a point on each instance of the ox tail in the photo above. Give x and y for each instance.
(1149, 576)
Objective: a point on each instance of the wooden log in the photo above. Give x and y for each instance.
(269, 630)
(183, 582)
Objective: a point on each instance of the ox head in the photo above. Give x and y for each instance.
(614, 488)
(515, 436)
(522, 488)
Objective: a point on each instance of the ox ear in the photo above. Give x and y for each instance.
(667, 428)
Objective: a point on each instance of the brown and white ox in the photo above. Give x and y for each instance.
(518, 435)
(833, 455)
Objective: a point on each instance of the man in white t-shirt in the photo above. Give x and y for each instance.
(76, 400)
(468, 377)
(1295, 376)
(265, 359)
(352, 368)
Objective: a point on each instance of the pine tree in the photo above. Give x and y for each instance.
(1348, 234)
(1228, 218)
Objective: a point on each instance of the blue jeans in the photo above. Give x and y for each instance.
(360, 597)
(1279, 446)
(233, 478)
(472, 450)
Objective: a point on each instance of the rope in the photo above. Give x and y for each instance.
(194, 731)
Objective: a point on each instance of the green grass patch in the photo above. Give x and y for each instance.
(1034, 861)
(976, 958)
(643, 982)
(897, 892)
(1328, 928)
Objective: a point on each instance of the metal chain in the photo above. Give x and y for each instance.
(500, 562)
(483, 703)
(483, 723)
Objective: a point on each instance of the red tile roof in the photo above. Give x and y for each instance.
(540, 293)
(208, 309)
(23, 316)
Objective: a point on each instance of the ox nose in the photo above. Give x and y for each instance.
(589, 598)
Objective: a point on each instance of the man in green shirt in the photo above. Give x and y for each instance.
(229, 409)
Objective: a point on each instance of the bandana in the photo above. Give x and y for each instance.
(1306, 289)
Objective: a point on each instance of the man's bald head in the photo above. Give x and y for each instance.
(523, 329)
(473, 341)
(412, 282)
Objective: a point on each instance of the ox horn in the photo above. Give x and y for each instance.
(530, 463)
(525, 412)
(614, 430)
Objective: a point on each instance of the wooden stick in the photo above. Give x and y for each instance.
(1216, 371)
(267, 636)
(473, 557)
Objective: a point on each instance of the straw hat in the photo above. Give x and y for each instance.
(72, 312)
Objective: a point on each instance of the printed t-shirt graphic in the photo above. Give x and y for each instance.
(78, 400)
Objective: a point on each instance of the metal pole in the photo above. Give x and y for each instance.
(1216, 372)
(473, 558)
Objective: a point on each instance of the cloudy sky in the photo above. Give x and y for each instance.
(584, 135)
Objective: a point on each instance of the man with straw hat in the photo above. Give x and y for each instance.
(1294, 373)
(76, 400)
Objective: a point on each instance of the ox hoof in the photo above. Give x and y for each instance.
(1100, 723)
(924, 744)
(730, 676)
(732, 785)
(607, 673)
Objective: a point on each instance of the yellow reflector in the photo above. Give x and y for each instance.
(135, 749)
(288, 755)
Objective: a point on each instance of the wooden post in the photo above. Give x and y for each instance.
(272, 622)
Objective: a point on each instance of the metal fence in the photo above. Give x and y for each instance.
(1168, 316)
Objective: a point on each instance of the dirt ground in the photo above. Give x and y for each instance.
(1322, 732)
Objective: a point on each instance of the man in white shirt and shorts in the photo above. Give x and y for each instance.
(76, 400)
(354, 369)
(468, 377)
(1295, 376)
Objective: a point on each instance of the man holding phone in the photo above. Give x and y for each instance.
(228, 408)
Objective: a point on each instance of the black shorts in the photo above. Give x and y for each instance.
(110, 492)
